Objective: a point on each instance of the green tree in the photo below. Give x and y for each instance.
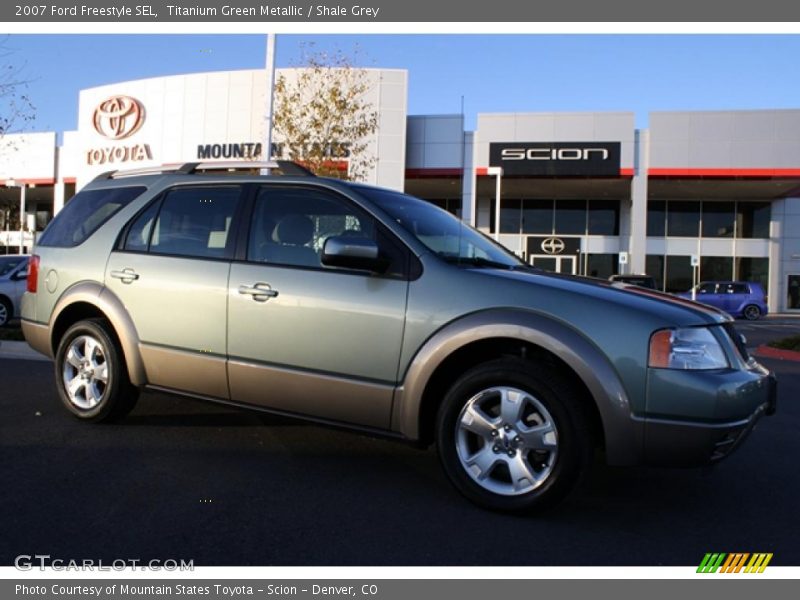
(323, 116)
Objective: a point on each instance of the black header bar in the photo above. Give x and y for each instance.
(392, 11)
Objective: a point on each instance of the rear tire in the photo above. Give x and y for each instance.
(91, 375)
(751, 312)
(6, 312)
(514, 436)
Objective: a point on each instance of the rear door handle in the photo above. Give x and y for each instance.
(261, 292)
(126, 275)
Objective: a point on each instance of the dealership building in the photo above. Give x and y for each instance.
(711, 195)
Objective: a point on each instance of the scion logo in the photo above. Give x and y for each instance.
(118, 117)
(554, 153)
(553, 245)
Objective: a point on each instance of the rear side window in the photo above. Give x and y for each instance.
(194, 222)
(84, 214)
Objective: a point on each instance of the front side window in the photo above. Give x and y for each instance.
(84, 214)
(291, 224)
(194, 222)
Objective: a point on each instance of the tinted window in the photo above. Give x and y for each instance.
(752, 219)
(195, 222)
(716, 268)
(656, 218)
(603, 217)
(537, 216)
(707, 288)
(654, 266)
(84, 214)
(138, 237)
(718, 219)
(683, 219)
(9, 263)
(510, 216)
(441, 232)
(570, 216)
(737, 288)
(291, 224)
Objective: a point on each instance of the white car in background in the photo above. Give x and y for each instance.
(13, 276)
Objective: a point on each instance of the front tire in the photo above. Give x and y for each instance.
(6, 312)
(91, 375)
(513, 435)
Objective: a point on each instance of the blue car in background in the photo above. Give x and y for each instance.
(738, 298)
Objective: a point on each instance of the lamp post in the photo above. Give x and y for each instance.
(21, 185)
(270, 68)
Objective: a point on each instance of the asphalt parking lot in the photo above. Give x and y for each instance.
(187, 480)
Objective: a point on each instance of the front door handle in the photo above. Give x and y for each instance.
(125, 275)
(261, 292)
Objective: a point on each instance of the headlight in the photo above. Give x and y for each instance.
(693, 348)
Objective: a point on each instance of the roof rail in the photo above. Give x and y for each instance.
(284, 167)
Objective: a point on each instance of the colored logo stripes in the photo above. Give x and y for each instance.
(734, 562)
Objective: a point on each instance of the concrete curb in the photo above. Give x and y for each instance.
(765, 351)
(19, 351)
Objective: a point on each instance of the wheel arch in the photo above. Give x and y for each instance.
(88, 300)
(485, 335)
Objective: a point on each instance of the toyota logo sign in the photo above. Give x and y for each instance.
(118, 117)
(553, 245)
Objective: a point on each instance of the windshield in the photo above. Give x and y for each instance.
(445, 234)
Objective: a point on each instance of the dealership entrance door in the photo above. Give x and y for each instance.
(557, 264)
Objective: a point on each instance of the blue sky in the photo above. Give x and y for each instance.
(494, 73)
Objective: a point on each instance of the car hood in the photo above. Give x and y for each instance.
(672, 310)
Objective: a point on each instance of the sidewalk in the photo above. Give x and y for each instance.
(19, 351)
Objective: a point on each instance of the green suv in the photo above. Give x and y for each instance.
(366, 308)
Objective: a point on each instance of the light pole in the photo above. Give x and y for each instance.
(270, 67)
(21, 185)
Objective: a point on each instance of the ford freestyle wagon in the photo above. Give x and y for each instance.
(366, 308)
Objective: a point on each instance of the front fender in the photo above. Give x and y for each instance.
(623, 435)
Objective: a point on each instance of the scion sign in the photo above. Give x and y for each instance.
(556, 158)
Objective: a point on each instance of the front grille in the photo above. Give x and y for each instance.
(736, 337)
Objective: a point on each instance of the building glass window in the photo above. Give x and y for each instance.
(601, 265)
(718, 219)
(654, 266)
(570, 217)
(451, 205)
(537, 216)
(753, 269)
(683, 218)
(793, 292)
(678, 276)
(603, 217)
(656, 218)
(510, 215)
(716, 268)
(752, 219)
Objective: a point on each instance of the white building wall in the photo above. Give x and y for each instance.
(187, 111)
(28, 156)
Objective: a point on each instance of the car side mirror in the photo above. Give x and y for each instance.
(352, 253)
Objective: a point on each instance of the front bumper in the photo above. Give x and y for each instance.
(733, 408)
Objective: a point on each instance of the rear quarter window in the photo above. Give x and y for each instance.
(85, 213)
